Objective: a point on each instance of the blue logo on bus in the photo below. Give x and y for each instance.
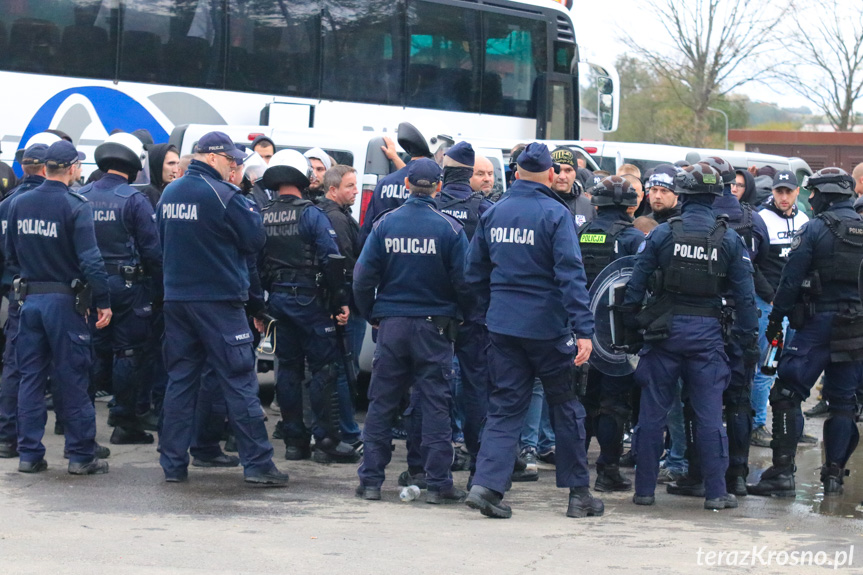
(116, 111)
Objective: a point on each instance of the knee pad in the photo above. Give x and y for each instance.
(558, 387)
(781, 397)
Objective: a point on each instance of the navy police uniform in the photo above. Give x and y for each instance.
(696, 256)
(299, 239)
(129, 242)
(51, 240)
(818, 291)
(207, 231)
(11, 375)
(603, 240)
(414, 258)
(388, 194)
(525, 268)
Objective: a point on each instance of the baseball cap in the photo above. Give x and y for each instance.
(564, 156)
(462, 153)
(785, 179)
(423, 172)
(62, 154)
(216, 142)
(34, 155)
(536, 158)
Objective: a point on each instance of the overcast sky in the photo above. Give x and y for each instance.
(600, 24)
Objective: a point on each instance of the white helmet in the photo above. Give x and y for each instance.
(287, 167)
(255, 167)
(46, 138)
(121, 148)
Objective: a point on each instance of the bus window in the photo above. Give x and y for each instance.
(178, 44)
(444, 58)
(363, 51)
(515, 55)
(66, 37)
(274, 47)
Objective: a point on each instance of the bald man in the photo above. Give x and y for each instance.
(857, 174)
(483, 176)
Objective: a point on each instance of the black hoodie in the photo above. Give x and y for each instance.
(156, 154)
(748, 196)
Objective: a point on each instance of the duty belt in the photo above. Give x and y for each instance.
(38, 288)
(680, 309)
(845, 307)
(128, 273)
(294, 290)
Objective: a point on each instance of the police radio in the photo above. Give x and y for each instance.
(774, 352)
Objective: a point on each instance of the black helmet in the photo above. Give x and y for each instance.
(831, 181)
(613, 191)
(121, 151)
(725, 169)
(698, 179)
(412, 141)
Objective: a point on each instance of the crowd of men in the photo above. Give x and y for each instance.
(160, 288)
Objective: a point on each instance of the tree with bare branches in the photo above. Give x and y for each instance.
(827, 63)
(718, 45)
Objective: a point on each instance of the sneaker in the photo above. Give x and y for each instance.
(529, 456)
(808, 439)
(547, 457)
(761, 437)
(272, 478)
(819, 410)
(32, 466)
(92, 467)
(667, 475)
(729, 501)
(8, 450)
(368, 493)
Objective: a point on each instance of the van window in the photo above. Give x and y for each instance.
(340, 156)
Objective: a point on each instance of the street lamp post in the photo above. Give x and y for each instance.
(724, 115)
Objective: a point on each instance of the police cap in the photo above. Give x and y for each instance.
(423, 172)
(218, 142)
(34, 155)
(536, 158)
(62, 154)
(462, 153)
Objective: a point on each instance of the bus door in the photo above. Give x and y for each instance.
(557, 107)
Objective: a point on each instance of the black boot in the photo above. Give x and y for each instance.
(334, 451)
(130, 436)
(735, 480)
(8, 451)
(418, 478)
(583, 504)
(488, 502)
(442, 497)
(297, 449)
(832, 476)
(688, 485)
(609, 478)
(778, 479)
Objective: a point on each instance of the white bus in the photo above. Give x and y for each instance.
(490, 68)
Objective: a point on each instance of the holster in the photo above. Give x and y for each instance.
(804, 309)
(447, 326)
(579, 379)
(846, 337)
(655, 318)
(726, 320)
(83, 296)
(19, 289)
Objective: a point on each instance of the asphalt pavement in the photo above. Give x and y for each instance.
(131, 522)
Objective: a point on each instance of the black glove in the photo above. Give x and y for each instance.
(774, 326)
(751, 353)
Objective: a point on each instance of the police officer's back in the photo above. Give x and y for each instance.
(50, 238)
(410, 280)
(696, 255)
(457, 198)
(207, 231)
(129, 243)
(818, 291)
(525, 268)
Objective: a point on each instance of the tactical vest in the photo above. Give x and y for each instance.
(288, 258)
(844, 263)
(744, 226)
(599, 247)
(114, 240)
(696, 268)
(465, 210)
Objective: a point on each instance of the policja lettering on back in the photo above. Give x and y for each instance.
(38, 227)
(174, 211)
(420, 246)
(511, 235)
(694, 252)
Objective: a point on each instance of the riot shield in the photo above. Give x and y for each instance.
(607, 291)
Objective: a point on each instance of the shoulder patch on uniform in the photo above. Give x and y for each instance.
(641, 247)
(796, 241)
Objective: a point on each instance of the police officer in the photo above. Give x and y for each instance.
(33, 164)
(299, 240)
(391, 191)
(696, 254)
(50, 239)
(567, 185)
(525, 269)
(414, 258)
(207, 231)
(129, 242)
(604, 239)
(818, 291)
(741, 360)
